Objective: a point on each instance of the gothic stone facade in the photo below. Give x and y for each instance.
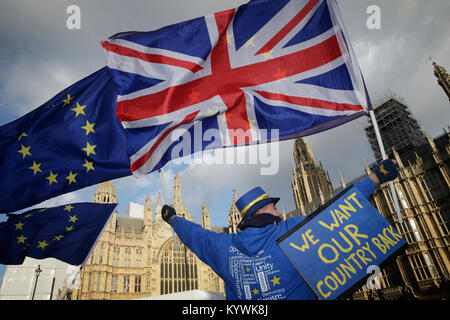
(137, 258)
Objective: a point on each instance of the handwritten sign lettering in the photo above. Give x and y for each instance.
(333, 247)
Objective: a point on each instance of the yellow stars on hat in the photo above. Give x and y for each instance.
(88, 165)
(71, 177)
(43, 244)
(89, 148)
(67, 100)
(36, 167)
(25, 151)
(52, 178)
(383, 170)
(89, 127)
(79, 109)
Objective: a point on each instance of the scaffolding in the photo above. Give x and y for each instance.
(398, 127)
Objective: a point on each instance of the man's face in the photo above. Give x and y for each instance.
(269, 208)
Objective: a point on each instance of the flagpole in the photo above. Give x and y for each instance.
(163, 186)
(384, 156)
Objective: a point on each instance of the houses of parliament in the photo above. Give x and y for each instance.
(137, 257)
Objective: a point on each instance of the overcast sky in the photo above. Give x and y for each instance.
(39, 57)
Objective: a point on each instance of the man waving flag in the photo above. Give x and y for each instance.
(265, 71)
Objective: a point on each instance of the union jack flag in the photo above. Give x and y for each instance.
(284, 65)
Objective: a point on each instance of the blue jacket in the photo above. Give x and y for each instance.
(250, 262)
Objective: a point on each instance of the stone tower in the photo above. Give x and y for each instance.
(234, 216)
(206, 217)
(105, 193)
(443, 78)
(311, 185)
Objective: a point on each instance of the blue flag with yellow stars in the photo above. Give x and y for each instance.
(66, 232)
(73, 141)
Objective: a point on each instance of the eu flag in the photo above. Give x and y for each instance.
(73, 141)
(66, 232)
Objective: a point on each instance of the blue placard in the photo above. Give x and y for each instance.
(335, 247)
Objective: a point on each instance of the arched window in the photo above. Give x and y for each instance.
(175, 276)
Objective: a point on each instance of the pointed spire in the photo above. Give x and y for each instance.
(366, 167)
(148, 210)
(442, 77)
(206, 217)
(158, 207)
(233, 214)
(343, 184)
(431, 142)
(177, 189)
(397, 158)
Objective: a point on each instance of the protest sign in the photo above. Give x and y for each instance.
(335, 247)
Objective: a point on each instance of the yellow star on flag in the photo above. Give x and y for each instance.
(19, 225)
(255, 291)
(79, 110)
(68, 207)
(23, 135)
(71, 177)
(89, 148)
(21, 239)
(52, 178)
(58, 237)
(89, 127)
(35, 167)
(88, 165)
(73, 218)
(69, 228)
(25, 151)
(68, 100)
(275, 280)
(42, 244)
